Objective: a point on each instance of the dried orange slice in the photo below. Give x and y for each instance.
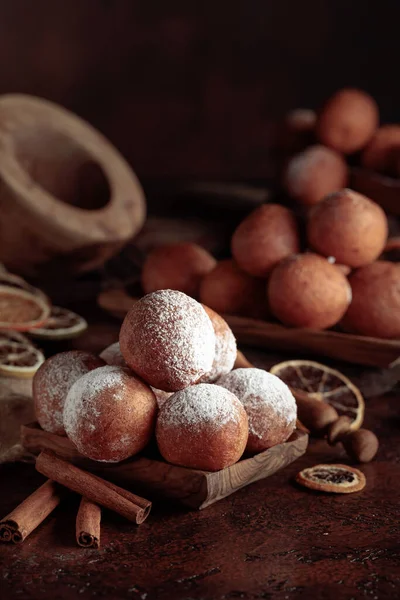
(18, 357)
(14, 281)
(20, 310)
(62, 324)
(325, 384)
(339, 479)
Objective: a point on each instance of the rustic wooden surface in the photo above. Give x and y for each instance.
(158, 479)
(270, 540)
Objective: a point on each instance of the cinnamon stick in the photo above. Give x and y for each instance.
(88, 524)
(97, 490)
(16, 526)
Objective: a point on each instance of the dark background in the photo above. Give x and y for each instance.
(187, 88)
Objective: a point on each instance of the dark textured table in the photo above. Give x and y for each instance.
(269, 540)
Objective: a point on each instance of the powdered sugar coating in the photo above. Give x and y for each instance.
(199, 404)
(268, 402)
(203, 426)
(112, 355)
(52, 383)
(225, 347)
(109, 414)
(168, 339)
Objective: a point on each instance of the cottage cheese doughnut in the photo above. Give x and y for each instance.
(177, 267)
(269, 404)
(52, 382)
(168, 339)
(202, 427)
(225, 347)
(112, 356)
(109, 414)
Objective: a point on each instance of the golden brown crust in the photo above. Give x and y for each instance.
(383, 152)
(375, 308)
(322, 478)
(305, 290)
(348, 120)
(177, 267)
(348, 226)
(229, 290)
(266, 236)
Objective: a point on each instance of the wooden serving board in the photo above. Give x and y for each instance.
(191, 487)
(355, 349)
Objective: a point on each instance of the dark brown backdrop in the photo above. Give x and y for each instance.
(193, 87)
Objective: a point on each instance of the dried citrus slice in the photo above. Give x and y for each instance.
(326, 384)
(14, 281)
(62, 324)
(339, 479)
(18, 357)
(20, 310)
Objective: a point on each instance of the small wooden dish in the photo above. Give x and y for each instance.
(193, 488)
(356, 349)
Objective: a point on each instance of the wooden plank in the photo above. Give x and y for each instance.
(191, 487)
(351, 348)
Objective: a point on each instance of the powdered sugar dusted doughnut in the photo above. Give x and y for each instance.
(225, 347)
(52, 383)
(109, 414)
(168, 339)
(112, 356)
(269, 404)
(203, 426)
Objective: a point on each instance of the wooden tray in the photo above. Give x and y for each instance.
(382, 189)
(356, 349)
(196, 489)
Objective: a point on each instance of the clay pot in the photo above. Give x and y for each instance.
(68, 199)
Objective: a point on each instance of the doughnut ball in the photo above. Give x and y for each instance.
(202, 427)
(269, 404)
(225, 347)
(168, 339)
(375, 308)
(52, 383)
(267, 235)
(110, 414)
(314, 173)
(347, 121)
(227, 289)
(305, 290)
(383, 152)
(348, 226)
(112, 356)
(177, 267)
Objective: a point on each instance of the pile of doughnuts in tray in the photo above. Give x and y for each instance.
(318, 264)
(169, 378)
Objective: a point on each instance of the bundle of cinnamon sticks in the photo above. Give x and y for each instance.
(95, 492)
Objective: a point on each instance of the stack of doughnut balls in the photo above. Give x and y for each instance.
(323, 269)
(170, 375)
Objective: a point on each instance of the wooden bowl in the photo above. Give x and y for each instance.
(149, 473)
(68, 199)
